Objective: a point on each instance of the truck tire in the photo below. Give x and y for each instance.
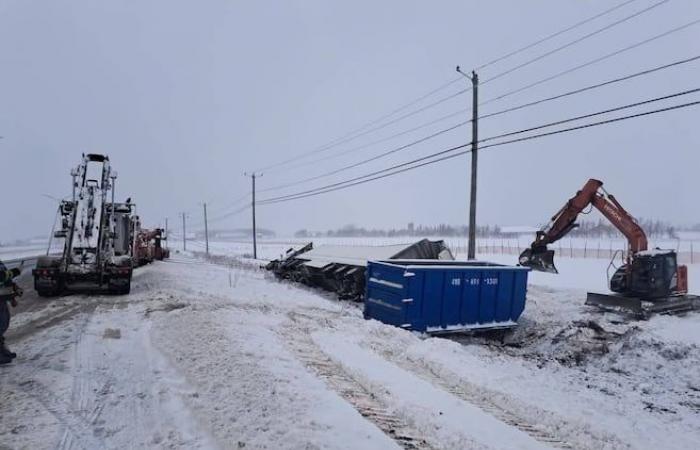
(120, 289)
(48, 262)
(48, 292)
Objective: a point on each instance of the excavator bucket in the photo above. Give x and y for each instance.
(540, 260)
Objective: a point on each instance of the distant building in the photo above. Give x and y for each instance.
(518, 230)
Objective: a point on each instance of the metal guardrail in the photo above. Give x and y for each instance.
(27, 262)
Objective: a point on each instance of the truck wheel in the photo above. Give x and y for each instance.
(48, 292)
(121, 290)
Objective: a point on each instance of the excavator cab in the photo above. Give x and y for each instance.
(651, 274)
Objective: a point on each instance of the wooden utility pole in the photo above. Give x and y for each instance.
(206, 230)
(184, 233)
(255, 231)
(166, 232)
(471, 249)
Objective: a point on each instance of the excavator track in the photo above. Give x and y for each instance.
(643, 309)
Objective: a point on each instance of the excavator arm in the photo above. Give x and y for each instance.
(539, 257)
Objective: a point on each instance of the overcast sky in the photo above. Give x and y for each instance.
(185, 96)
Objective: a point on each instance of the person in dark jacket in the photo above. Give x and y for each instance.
(8, 292)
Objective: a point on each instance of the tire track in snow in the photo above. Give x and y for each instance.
(76, 430)
(491, 402)
(470, 394)
(298, 338)
(44, 322)
(79, 390)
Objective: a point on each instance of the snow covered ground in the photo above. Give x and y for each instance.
(224, 356)
(28, 251)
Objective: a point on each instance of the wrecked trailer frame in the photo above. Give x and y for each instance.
(342, 269)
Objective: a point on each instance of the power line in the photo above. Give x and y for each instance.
(401, 108)
(576, 91)
(587, 116)
(230, 214)
(553, 35)
(275, 199)
(593, 61)
(365, 161)
(378, 141)
(362, 131)
(402, 167)
(344, 138)
(593, 86)
(234, 203)
(575, 41)
(372, 130)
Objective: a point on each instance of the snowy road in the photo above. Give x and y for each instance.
(209, 356)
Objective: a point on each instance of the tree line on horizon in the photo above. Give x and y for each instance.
(587, 228)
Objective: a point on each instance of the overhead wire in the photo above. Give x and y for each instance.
(230, 214)
(591, 62)
(234, 203)
(422, 161)
(587, 116)
(378, 127)
(363, 130)
(418, 141)
(397, 110)
(379, 141)
(593, 86)
(574, 42)
(365, 161)
(553, 35)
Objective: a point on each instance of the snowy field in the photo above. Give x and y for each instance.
(204, 355)
(578, 272)
(28, 251)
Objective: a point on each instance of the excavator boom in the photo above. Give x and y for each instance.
(539, 257)
(649, 282)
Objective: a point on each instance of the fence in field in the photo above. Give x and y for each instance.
(687, 254)
(688, 250)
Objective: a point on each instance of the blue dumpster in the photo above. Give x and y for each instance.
(437, 296)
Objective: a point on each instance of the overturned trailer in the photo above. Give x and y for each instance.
(418, 287)
(342, 269)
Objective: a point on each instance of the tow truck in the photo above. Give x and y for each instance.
(96, 253)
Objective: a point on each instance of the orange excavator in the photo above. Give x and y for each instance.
(649, 281)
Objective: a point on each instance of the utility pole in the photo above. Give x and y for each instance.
(471, 250)
(166, 232)
(255, 231)
(206, 230)
(184, 233)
